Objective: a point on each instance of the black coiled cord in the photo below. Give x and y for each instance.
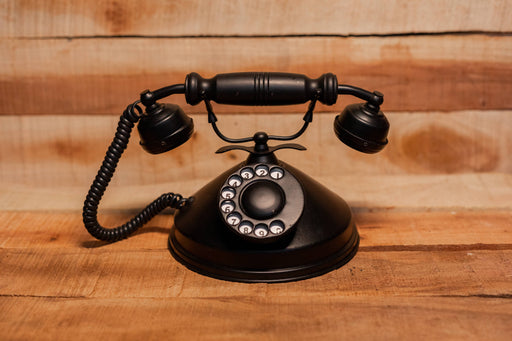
(90, 211)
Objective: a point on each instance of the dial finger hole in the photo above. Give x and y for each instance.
(276, 173)
(277, 227)
(261, 170)
(227, 193)
(227, 206)
(247, 173)
(235, 181)
(234, 218)
(245, 227)
(261, 230)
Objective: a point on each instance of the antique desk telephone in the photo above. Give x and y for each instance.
(261, 220)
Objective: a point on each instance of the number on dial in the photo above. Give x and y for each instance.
(276, 173)
(261, 230)
(247, 173)
(234, 219)
(261, 170)
(227, 193)
(235, 181)
(276, 227)
(245, 227)
(227, 206)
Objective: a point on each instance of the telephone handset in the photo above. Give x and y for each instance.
(262, 220)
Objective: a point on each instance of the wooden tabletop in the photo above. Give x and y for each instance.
(424, 273)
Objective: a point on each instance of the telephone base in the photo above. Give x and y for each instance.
(324, 238)
(271, 275)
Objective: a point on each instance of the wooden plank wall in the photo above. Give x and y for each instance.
(68, 69)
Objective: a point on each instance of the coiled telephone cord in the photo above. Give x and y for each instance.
(90, 210)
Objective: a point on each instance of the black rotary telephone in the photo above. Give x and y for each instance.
(261, 220)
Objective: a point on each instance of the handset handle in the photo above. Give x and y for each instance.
(261, 88)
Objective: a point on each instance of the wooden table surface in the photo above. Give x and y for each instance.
(431, 272)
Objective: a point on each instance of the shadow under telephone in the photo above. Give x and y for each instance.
(261, 220)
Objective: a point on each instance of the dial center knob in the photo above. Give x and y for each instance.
(262, 199)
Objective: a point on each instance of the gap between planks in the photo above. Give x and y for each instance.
(263, 36)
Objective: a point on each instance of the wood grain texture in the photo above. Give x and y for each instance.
(100, 76)
(31, 18)
(269, 318)
(450, 272)
(139, 268)
(387, 192)
(389, 229)
(45, 152)
(154, 273)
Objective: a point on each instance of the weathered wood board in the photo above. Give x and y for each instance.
(32, 18)
(100, 76)
(450, 271)
(52, 151)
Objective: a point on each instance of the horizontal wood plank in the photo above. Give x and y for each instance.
(256, 318)
(223, 17)
(103, 272)
(100, 76)
(387, 192)
(460, 260)
(55, 279)
(415, 231)
(58, 156)
(431, 254)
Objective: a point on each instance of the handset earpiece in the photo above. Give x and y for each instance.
(164, 127)
(362, 127)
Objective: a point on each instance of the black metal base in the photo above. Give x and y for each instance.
(325, 238)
